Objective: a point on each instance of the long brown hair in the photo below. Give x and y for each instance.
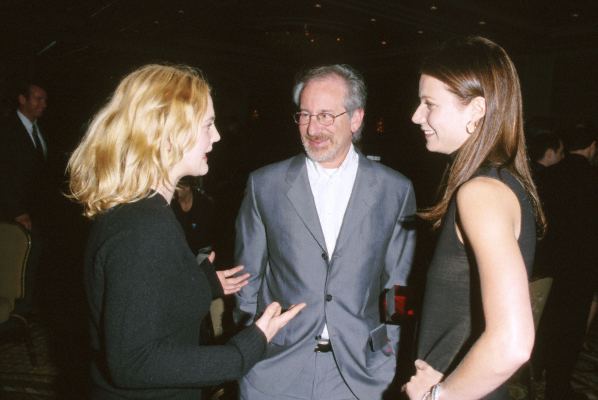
(477, 67)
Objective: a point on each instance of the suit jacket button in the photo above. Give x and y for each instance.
(328, 297)
(324, 256)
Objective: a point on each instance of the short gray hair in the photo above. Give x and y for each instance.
(356, 89)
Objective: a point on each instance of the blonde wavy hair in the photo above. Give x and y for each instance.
(137, 137)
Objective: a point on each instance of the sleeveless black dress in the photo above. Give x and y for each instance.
(452, 314)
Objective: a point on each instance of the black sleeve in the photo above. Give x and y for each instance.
(142, 344)
(208, 268)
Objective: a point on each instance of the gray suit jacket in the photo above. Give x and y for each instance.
(281, 244)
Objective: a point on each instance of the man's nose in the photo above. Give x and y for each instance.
(313, 126)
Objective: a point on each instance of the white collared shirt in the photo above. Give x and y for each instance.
(331, 188)
(29, 127)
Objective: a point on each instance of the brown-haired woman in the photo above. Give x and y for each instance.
(146, 293)
(477, 326)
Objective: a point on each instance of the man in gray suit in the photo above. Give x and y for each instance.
(332, 229)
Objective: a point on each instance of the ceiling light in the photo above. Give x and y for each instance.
(433, 7)
(339, 39)
(575, 15)
(317, 5)
(384, 43)
(482, 22)
(420, 31)
(372, 19)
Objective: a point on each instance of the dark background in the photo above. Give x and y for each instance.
(251, 51)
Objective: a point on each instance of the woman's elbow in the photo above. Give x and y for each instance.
(520, 354)
(517, 349)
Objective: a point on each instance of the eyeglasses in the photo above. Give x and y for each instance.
(323, 118)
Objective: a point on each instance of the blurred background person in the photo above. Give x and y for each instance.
(24, 155)
(194, 210)
(27, 194)
(545, 150)
(570, 195)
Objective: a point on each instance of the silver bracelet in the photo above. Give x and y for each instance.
(435, 392)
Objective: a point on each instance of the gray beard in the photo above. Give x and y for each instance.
(322, 157)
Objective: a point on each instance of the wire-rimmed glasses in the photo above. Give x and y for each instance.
(323, 118)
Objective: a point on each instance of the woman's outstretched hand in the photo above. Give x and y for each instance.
(425, 377)
(229, 280)
(273, 319)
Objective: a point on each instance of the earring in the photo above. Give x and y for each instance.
(470, 130)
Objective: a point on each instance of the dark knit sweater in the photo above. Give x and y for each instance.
(147, 297)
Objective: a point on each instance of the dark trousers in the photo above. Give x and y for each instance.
(562, 331)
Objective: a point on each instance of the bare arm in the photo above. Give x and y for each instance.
(490, 222)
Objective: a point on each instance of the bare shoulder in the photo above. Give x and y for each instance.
(485, 190)
(484, 200)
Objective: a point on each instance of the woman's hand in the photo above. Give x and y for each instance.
(273, 319)
(228, 280)
(425, 377)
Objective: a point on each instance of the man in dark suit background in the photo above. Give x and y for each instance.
(23, 157)
(25, 187)
(570, 197)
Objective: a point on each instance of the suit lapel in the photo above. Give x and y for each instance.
(301, 197)
(25, 139)
(363, 198)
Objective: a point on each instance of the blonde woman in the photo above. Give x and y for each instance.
(146, 293)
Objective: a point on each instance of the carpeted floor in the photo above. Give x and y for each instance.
(18, 378)
(51, 380)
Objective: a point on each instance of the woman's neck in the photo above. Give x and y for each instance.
(165, 192)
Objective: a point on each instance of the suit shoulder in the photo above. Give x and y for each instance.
(390, 174)
(277, 168)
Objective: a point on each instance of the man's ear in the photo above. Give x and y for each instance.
(22, 99)
(357, 119)
(478, 109)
